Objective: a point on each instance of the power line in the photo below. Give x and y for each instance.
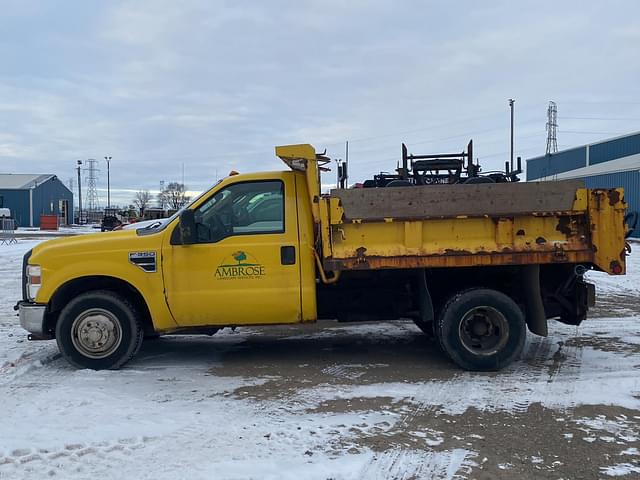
(406, 132)
(603, 118)
(432, 140)
(599, 102)
(520, 150)
(429, 127)
(375, 137)
(591, 133)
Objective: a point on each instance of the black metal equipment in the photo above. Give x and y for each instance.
(343, 174)
(442, 168)
(110, 220)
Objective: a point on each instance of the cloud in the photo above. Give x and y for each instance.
(214, 85)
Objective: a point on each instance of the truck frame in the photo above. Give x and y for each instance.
(473, 264)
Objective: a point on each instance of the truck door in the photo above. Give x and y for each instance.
(245, 267)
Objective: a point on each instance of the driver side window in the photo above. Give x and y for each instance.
(246, 208)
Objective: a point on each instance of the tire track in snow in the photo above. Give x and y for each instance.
(400, 464)
(403, 464)
(350, 372)
(69, 459)
(532, 369)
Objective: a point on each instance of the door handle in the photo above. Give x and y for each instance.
(288, 255)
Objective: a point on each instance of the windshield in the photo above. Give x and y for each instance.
(163, 222)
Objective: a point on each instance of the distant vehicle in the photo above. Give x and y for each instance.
(5, 214)
(110, 220)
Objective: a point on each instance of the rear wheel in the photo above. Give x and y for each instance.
(481, 329)
(99, 330)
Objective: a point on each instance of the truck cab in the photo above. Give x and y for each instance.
(240, 254)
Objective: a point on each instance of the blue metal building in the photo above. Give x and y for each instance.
(610, 163)
(29, 196)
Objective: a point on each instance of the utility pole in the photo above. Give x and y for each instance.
(346, 164)
(161, 195)
(511, 102)
(552, 127)
(79, 194)
(108, 159)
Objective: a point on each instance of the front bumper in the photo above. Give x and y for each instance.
(32, 317)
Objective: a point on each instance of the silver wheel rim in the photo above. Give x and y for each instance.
(484, 330)
(96, 333)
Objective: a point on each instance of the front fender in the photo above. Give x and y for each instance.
(105, 255)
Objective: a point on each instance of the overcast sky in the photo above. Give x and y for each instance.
(215, 85)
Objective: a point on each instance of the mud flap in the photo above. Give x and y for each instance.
(576, 301)
(534, 308)
(425, 303)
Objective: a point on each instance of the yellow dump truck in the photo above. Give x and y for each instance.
(474, 264)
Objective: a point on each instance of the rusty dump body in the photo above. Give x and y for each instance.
(474, 225)
(460, 225)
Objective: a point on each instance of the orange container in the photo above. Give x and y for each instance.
(48, 222)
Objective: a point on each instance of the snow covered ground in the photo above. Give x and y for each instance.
(27, 232)
(352, 401)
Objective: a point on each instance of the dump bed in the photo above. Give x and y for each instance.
(462, 225)
(469, 225)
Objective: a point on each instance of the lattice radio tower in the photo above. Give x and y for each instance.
(552, 128)
(92, 183)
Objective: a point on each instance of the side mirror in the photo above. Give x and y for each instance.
(187, 228)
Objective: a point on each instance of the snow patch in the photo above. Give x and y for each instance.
(620, 469)
(630, 451)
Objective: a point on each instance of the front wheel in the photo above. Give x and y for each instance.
(99, 330)
(481, 329)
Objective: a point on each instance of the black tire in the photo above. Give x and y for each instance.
(481, 329)
(99, 330)
(478, 180)
(399, 183)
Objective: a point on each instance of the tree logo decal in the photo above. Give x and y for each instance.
(239, 256)
(240, 265)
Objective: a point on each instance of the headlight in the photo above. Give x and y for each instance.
(34, 280)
